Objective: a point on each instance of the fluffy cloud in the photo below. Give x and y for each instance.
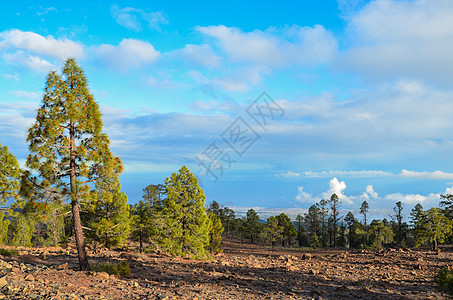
(337, 187)
(198, 55)
(132, 18)
(402, 39)
(275, 48)
(370, 191)
(412, 199)
(305, 197)
(36, 44)
(29, 61)
(130, 53)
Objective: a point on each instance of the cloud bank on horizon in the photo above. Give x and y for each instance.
(365, 87)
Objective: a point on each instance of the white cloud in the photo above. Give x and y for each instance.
(130, 53)
(36, 44)
(370, 191)
(426, 175)
(32, 62)
(412, 199)
(132, 18)
(16, 117)
(305, 197)
(402, 39)
(337, 187)
(26, 95)
(290, 174)
(148, 167)
(199, 55)
(275, 48)
(363, 173)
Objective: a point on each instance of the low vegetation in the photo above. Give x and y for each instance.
(444, 280)
(121, 268)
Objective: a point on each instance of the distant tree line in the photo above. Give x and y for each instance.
(324, 227)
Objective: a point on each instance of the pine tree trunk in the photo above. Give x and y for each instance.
(80, 244)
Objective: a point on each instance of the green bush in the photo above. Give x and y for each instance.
(8, 252)
(121, 268)
(444, 280)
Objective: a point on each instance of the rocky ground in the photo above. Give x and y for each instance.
(242, 272)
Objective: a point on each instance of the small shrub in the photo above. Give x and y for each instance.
(444, 280)
(8, 252)
(121, 268)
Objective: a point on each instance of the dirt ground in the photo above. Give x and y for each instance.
(241, 272)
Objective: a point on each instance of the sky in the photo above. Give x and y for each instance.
(272, 105)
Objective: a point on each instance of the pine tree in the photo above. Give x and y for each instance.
(106, 213)
(272, 231)
(228, 218)
(187, 224)
(335, 204)
(22, 231)
(447, 203)
(398, 209)
(380, 234)
(215, 233)
(4, 225)
(301, 234)
(251, 225)
(289, 230)
(322, 204)
(68, 149)
(435, 228)
(312, 221)
(364, 211)
(9, 176)
(142, 227)
(417, 215)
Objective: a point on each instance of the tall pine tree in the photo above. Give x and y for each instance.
(187, 224)
(67, 147)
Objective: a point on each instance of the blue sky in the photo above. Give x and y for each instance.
(361, 90)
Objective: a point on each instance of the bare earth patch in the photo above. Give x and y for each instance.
(242, 272)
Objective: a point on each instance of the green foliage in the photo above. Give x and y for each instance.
(4, 225)
(335, 204)
(251, 226)
(47, 217)
(215, 233)
(444, 280)
(272, 231)
(186, 225)
(121, 268)
(106, 213)
(434, 227)
(144, 218)
(398, 227)
(380, 234)
(9, 175)
(71, 156)
(8, 252)
(314, 241)
(22, 230)
(289, 230)
(226, 215)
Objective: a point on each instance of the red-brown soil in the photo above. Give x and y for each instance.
(242, 272)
